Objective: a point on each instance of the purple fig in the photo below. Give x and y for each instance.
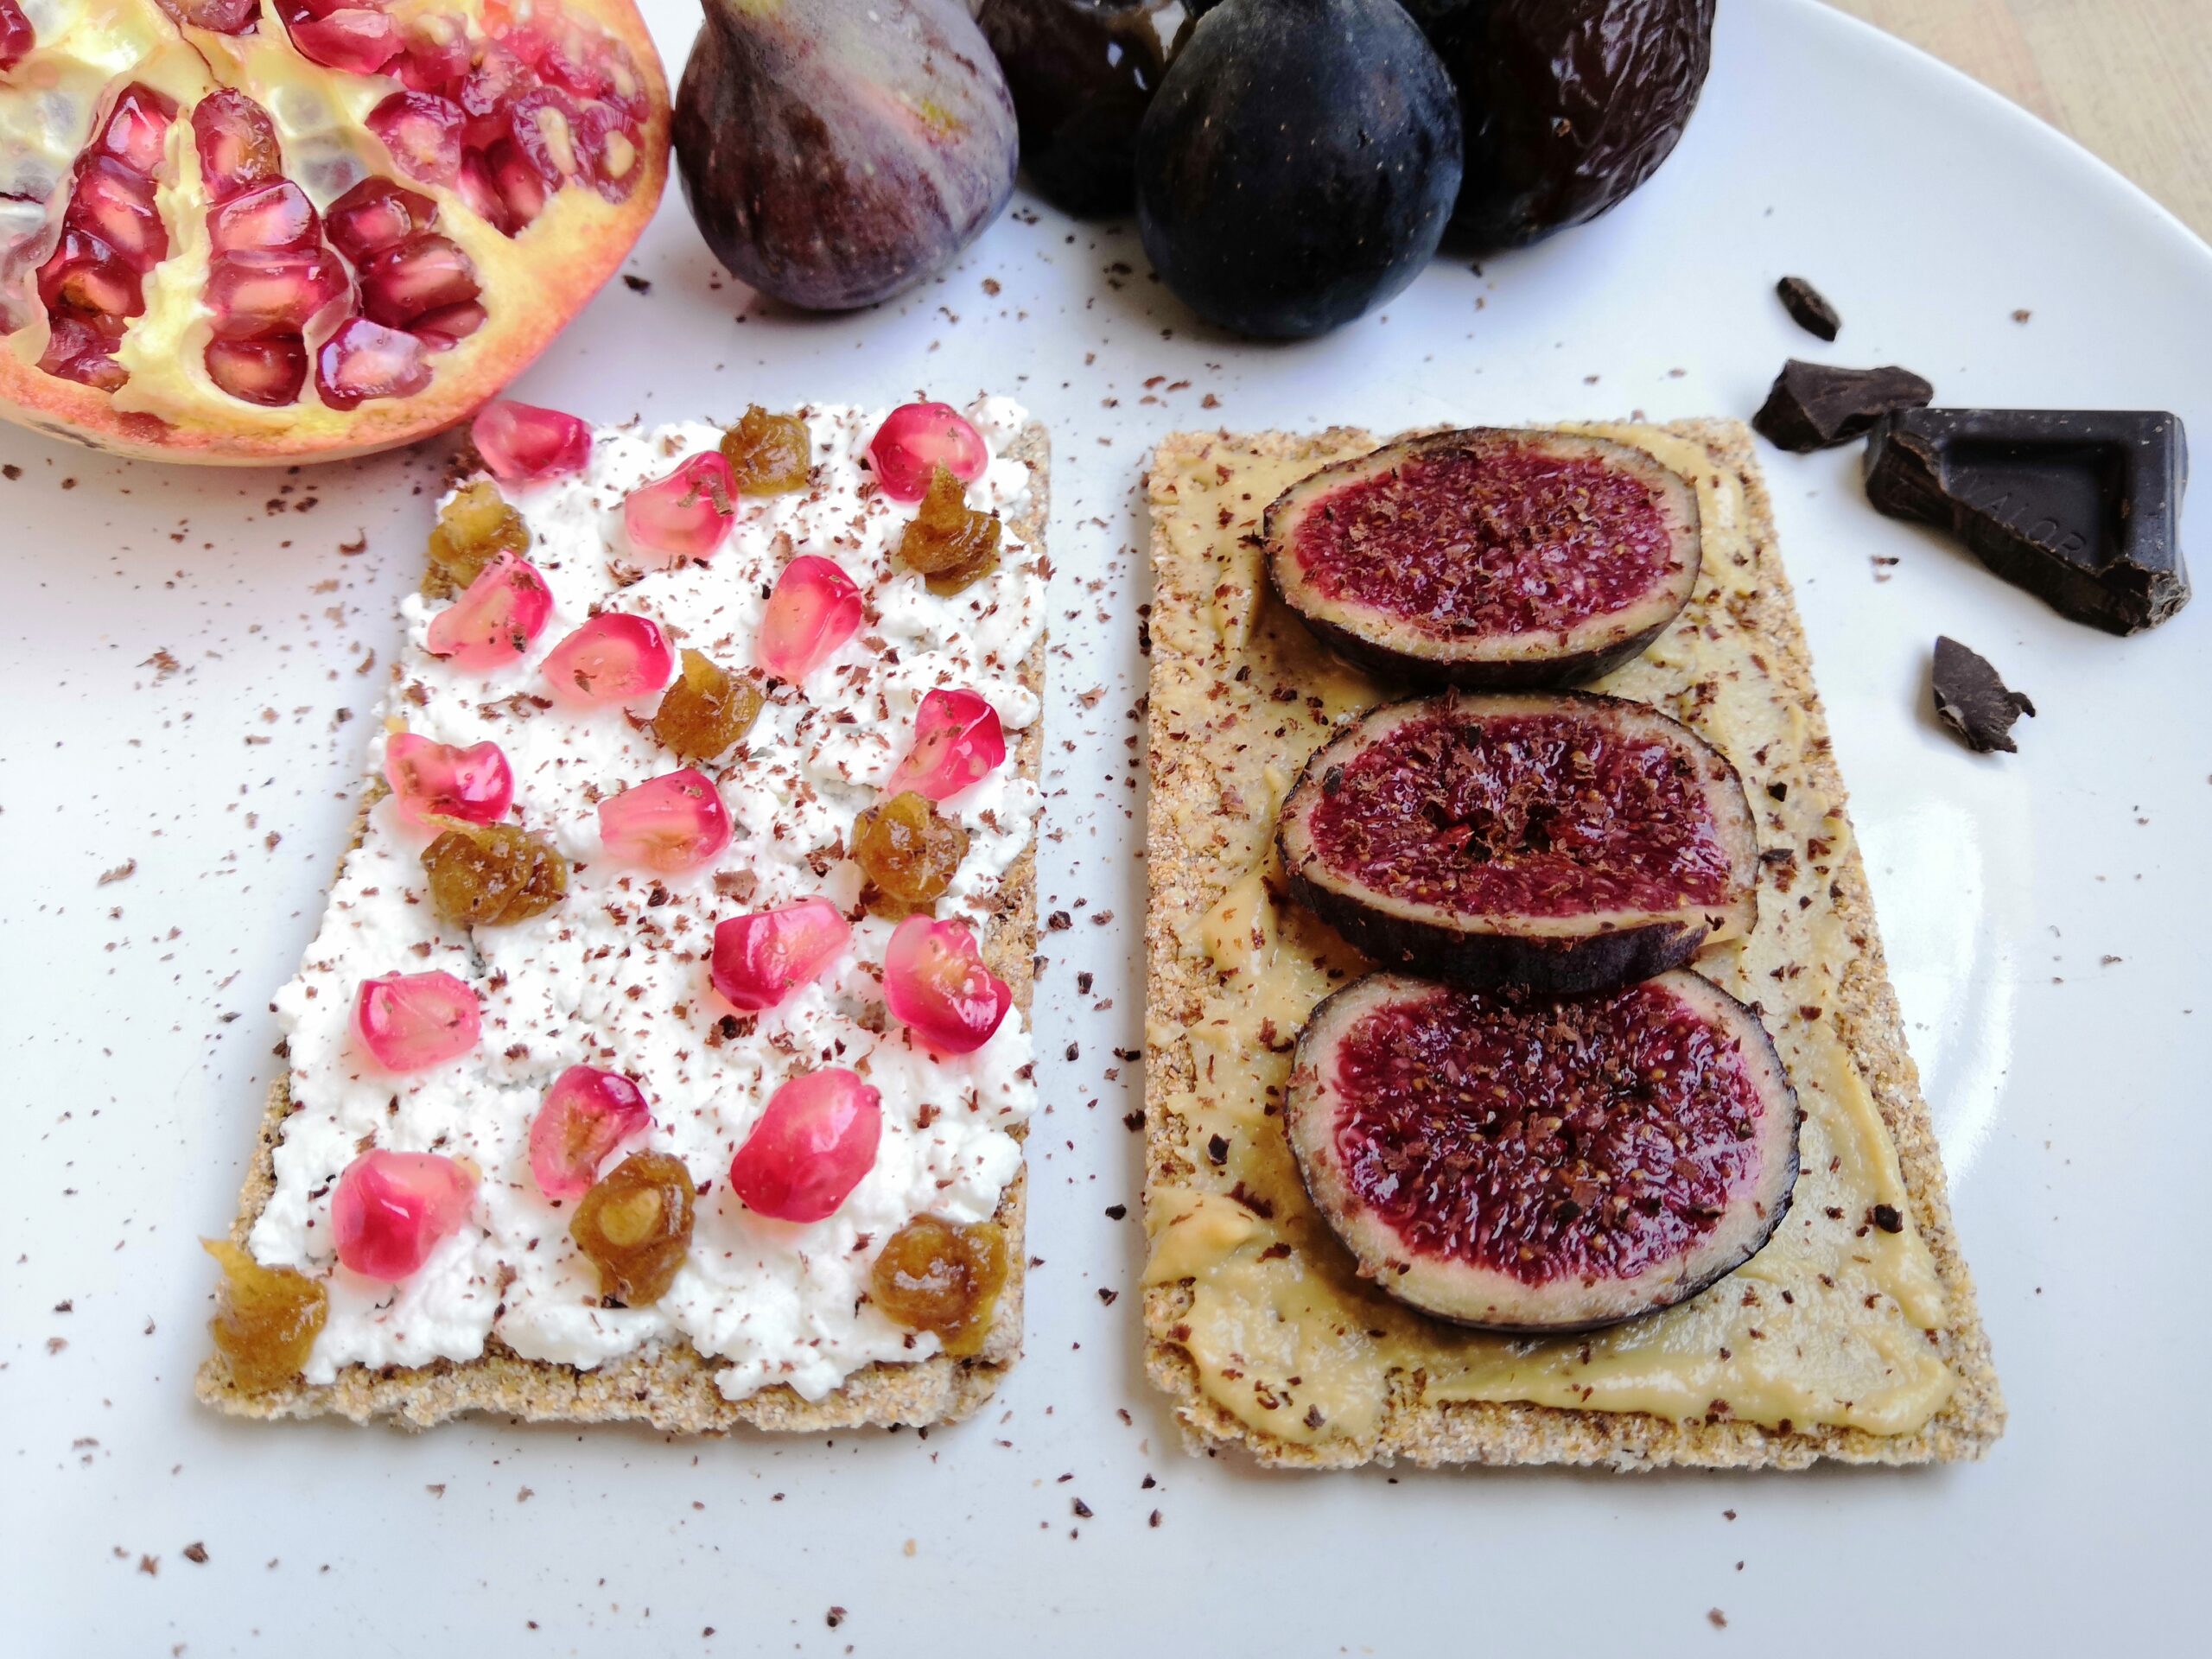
(835, 154)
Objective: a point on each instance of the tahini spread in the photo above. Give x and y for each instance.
(1835, 1322)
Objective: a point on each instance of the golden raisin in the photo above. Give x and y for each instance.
(705, 710)
(947, 541)
(266, 1318)
(943, 1276)
(490, 875)
(768, 454)
(635, 1224)
(473, 529)
(908, 852)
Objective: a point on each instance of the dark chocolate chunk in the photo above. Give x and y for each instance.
(2081, 507)
(1973, 700)
(1809, 308)
(1817, 406)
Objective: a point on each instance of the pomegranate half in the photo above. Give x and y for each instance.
(234, 231)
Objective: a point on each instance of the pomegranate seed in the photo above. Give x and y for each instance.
(958, 741)
(423, 132)
(409, 1022)
(917, 438)
(220, 17)
(117, 206)
(427, 274)
(672, 824)
(275, 292)
(237, 144)
(350, 38)
(392, 1208)
(522, 187)
(84, 274)
(935, 983)
(685, 515)
(814, 609)
(811, 1148)
(78, 352)
(614, 658)
(276, 216)
(494, 623)
(762, 958)
(587, 1113)
(481, 192)
(522, 443)
(432, 64)
(266, 371)
(376, 214)
(542, 125)
(365, 360)
(137, 129)
(444, 330)
(430, 779)
(17, 37)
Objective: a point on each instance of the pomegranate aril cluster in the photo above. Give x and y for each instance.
(93, 283)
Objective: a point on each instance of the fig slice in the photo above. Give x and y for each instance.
(1539, 1165)
(1489, 557)
(1562, 841)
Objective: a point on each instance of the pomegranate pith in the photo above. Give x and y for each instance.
(392, 1208)
(813, 1144)
(532, 140)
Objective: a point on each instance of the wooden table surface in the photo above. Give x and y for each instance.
(2131, 79)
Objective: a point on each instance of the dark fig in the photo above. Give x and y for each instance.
(1539, 1165)
(1297, 164)
(834, 155)
(1082, 72)
(1489, 557)
(1564, 841)
(1569, 104)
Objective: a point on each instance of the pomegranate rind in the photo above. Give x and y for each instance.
(1499, 1191)
(536, 282)
(1442, 648)
(1581, 950)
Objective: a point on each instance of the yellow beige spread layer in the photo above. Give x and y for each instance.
(1841, 1339)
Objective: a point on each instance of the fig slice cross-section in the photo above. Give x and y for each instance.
(1542, 1164)
(1561, 840)
(1491, 558)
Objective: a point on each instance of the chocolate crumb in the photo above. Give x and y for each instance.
(1719, 1619)
(1972, 699)
(196, 1552)
(1809, 308)
(637, 284)
(1887, 1218)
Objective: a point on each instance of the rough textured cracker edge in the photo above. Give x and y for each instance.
(671, 1387)
(1866, 1014)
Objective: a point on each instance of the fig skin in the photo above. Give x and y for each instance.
(804, 164)
(1297, 164)
(1569, 104)
(1563, 956)
(1395, 649)
(1081, 74)
(1485, 1298)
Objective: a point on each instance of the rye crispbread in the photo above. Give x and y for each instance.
(670, 1386)
(1185, 878)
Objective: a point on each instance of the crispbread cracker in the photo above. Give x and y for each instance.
(670, 1386)
(1187, 878)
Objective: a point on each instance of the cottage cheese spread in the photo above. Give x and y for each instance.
(616, 975)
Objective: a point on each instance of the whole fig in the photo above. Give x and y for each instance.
(836, 152)
(1082, 72)
(1297, 163)
(1569, 104)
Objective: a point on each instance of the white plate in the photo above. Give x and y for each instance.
(2044, 914)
